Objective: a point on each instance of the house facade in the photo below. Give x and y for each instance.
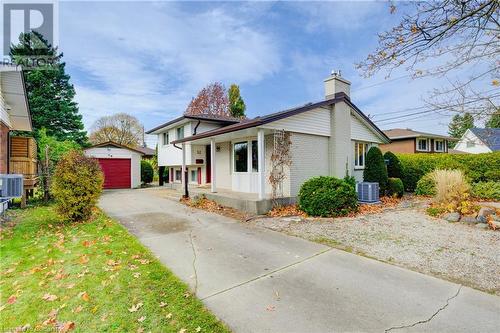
(414, 142)
(479, 140)
(14, 111)
(329, 137)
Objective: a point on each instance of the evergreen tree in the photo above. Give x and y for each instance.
(375, 170)
(494, 121)
(394, 166)
(50, 94)
(459, 124)
(237, 106)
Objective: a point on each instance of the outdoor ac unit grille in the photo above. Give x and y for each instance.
(11, 186)
(367, 192)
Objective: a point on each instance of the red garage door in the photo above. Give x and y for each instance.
(116, 172)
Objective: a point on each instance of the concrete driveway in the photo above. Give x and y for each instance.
(258, 280)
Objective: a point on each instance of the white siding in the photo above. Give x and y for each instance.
(4, 116)
(135, 163)
(477, 146)
(309, 159)
(361, 132)
(316, 121)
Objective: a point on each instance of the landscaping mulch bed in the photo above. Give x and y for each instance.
(402, 234)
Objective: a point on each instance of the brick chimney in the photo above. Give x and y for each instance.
(335, 83)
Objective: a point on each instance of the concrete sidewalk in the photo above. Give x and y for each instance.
(257, 280)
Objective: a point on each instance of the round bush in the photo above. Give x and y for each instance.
(76, 185)
(147, 172)
(375, 170)
(426, 185)
(327, 197)
(395, 187)
(394, 165)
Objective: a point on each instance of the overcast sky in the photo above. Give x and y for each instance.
(150, 59)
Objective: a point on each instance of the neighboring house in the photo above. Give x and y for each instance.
(479, 140)
(329, 137)
(18, 155)
(412, 142)
(147, 152)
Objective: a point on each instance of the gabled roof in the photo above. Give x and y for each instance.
(113, 144)
(221, 119)
(406, 133)
(489, 136)
(258, 121)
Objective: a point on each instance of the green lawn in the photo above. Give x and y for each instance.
(94, 274)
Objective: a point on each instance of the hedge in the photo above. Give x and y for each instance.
(147, 172)
(477, 167)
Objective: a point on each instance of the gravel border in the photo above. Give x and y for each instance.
(407, 237)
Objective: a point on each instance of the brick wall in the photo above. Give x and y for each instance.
(4, 144)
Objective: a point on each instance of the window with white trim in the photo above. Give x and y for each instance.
(245, 156)
(360, 151)
(178, 174)
(471, 144)
(439, 145)
(194, 175)
(422, 145)
(165, 139)
(180, 132)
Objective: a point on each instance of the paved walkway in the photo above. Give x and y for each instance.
(258, 280)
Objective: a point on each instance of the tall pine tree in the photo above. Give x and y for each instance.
(50, 94)
(459, 124)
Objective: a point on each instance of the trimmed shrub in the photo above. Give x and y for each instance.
(76, 186)
(394, 165)
(486, 190)
(147, 172)
(476, 167)
(395, 187)
(426, 185)
(327, 197)
(375, 170)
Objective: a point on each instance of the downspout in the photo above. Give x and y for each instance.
(175, 145)
(196, 127)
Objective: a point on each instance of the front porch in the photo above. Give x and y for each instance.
(246, 202)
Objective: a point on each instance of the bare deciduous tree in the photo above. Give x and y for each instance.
(211, 100)
(121, 128)
(444, 37)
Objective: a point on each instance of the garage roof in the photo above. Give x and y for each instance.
(113, 144)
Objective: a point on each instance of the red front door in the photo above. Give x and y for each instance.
(116, 172)
(208, 167)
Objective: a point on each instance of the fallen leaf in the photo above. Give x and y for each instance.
(83, 295)
(12, 299)
(49, 297)
(84, 259)
(168, 316)
(108, 252)
(182, 330)
(141, 319)
(2, 307)
(140, 330)
(163, 304)
(70, 286)
(136, 307)
(198, 329)
(79, 308)
(136, 275)
(104, 317)
(270, 308)
(66, 327)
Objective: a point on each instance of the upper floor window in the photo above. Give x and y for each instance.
(180, 132)
(166, 140)
(422, 144)
(470, 144)
(360, 151)
(439, 145)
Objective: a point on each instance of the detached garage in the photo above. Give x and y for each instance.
(121, 165)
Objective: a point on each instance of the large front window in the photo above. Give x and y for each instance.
(245, 155)
(360, 150)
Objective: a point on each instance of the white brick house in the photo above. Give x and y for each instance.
(329, 137)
